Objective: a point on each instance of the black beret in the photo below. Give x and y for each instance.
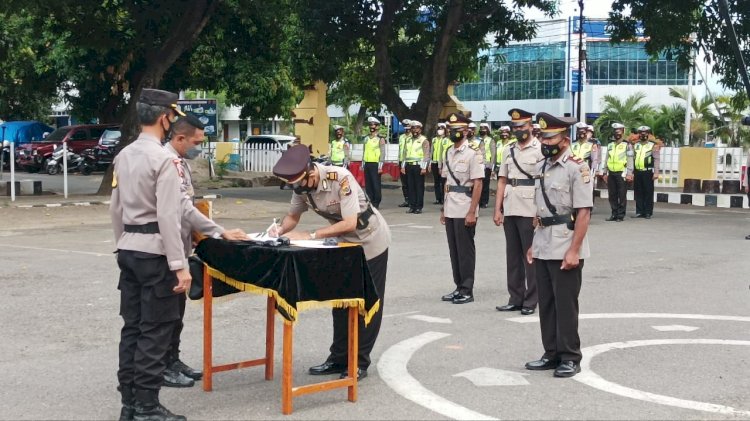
(457, 120)
(551, 125)
(519, 117)
(160, 98)
(292, 164)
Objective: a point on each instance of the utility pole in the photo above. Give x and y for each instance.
(688, 105)
(580, 59)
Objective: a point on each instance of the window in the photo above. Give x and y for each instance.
(81, 134)
(628, 64)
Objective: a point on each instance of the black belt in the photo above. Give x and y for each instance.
(521, 182)
(149, 228)
(460, 189)
(645, 169)
(412, 162)
(554, 220)
(363, 219)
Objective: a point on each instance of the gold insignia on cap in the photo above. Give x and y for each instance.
(515, 115)
(542, 123)
(453, 118)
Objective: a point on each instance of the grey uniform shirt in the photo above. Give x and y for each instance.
(567, 182)
(147, 190)
(467, 165)
(344, 197)
(192, 218)
(519, 200)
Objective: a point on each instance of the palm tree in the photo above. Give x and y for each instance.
(704, 114)
(631, 112)
(670, 123)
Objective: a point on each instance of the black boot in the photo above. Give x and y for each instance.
(148, 408)
(128, 401)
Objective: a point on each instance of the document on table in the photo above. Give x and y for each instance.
(314, 244)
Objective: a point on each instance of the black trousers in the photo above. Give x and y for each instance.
(173, 353)
(149, 308)
(643, 190)
(558, 309)
(618, 194)
(438, 181)
(484, 199)
(463, 253)
(372, 183)
(519, 234)
(367, 334)
(404, 185)
(415, 185)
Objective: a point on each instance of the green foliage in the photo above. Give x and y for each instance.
(631, 112)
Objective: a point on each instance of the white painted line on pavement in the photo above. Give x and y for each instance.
(399, 314)
(486, 376)
(422, 227)
(392, 370)
(61, 250)
(641, 316)
(592, 379)
(400, 225)
(430, 319)
(675, 328)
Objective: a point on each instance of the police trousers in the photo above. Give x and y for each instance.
(463, 253)
(367, 334)
(372, 183)
(173, 354)
(484, 200)
(415, 185)
(643, 190)
(149, 308)
(519, 234)
(618, 194)
(558, 309)
(404, 186)
(438, 181)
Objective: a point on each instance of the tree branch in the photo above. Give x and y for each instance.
(383, 70)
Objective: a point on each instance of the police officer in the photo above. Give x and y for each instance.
(416, 161)
(436, 165)
(583, 148)
(646, 163)
(564, 198)
(464, 171)
(536, 130)
(185, 143)
(617, 171)
(506, 139)
(401, 153)
(515, 211)
(145, 209)
(340, 151)
(473, 140)
(334, 194)
(489, 150)
(372, 158)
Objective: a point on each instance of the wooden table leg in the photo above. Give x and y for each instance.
(270, 320)
(207, 332)
(353, 351)
(286, 370)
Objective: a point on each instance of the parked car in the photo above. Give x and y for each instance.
(33, 156)
(20, 132)
(271, 141)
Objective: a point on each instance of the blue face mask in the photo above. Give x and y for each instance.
(193, 152)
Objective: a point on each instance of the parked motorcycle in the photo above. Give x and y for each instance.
(97, 159)
(55, 162)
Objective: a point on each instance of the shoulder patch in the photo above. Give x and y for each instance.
(332, 175)
(114, 179)
(474, 146)
(575, 159)
(178, 165)
(585, 173)
(346, 190)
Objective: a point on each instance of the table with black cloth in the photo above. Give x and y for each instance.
(294, 279)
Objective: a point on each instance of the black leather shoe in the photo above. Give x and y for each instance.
(188, 371)
(647, 216)
(620, 219)
(437, 202)
(508, 307)
(128, 402)
(361, 374)
(327, 368)
(404, 205)
(527, 311)
(541, 364)
(637, 215)
(611, 218)
(417, 211)
(463, 299)
(173, 378)
(747, 237)
(483, 205)
(567, 369)
(410, 210)
(449, 297)
(148, 408)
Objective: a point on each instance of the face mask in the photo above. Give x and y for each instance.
(193, 152)
(550, 151)
(580, 136)
(521, 135)
(644, 137)
(457, 135)
(373, 129)
(618, 135)
(440, 132)
(301, 186)
(483, 133)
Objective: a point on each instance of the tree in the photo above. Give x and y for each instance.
(669, 123)
(631, 113)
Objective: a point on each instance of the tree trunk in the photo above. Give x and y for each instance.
(360, 121)
(183, 33)
(383, 70)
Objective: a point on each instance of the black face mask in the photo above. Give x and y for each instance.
(457, 135)
(550, 151)
(301, 186)
(521, 135)
(373, 129)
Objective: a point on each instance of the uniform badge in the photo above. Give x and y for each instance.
(178, 165)
(346, 190)
(586, 174)
(114, 179)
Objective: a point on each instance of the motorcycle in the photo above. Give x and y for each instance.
(97, 159)
(55, 162)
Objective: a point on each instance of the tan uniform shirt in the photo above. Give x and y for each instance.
(147, 190)
(519, 200)
(567, 182)
(344, 197)
(467, 164)
(192, 218)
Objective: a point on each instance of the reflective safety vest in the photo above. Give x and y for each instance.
(644, 155)
(501, 147)
(402, 146)
(617, 156)
(413, 150)
(487, 148)
(438, 148)
(337, 151)
(372, 149)
(582, 150)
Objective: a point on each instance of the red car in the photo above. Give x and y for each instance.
(33, 156)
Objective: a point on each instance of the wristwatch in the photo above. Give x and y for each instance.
(312, 234)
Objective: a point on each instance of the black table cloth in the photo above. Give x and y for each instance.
(298, 278)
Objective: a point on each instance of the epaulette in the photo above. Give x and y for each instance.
(333, 176)
(474, 146)
(575, 159)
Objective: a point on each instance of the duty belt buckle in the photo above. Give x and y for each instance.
(514, 182)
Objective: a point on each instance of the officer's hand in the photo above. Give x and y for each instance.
(183, 281)
(380, 171)
(529, 256)
(655, 177)
(403, 171)
(628, 178)
(423, 172)
(471, 219)
(442, 218)
(234, 235)
(498, 218)
(604, 177)
(570, 261)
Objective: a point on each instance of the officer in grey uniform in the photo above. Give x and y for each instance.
(515, 211)
(333, 193)
(146, 211)
(463, 170)
(185, 141)
(564, 199)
